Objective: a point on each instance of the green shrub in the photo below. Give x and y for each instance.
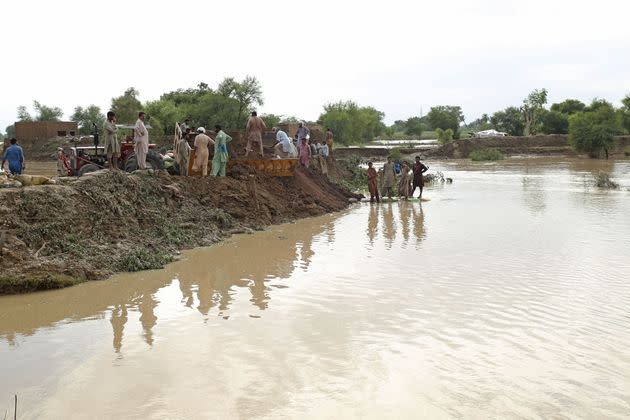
(395, 154)
(603, 180)
(143, 259)
(444, 136)
(486, 154)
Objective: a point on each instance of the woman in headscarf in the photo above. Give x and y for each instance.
(304, 150)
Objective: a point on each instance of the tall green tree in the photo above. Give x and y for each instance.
(481, 123)
(554, 122)
(248, 93)
(271, 120)
(625, 113)
(87, 117)
(164, 114)
(414, 126)
(568, 106)
(533, 107)
(509, 120)
(47, 113)
(446, 116)
(351, 123)
(127, 106)
(10, 130)
(592, 130)
(23, 114)
(42, 113)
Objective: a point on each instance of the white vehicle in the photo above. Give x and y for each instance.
(489, 133)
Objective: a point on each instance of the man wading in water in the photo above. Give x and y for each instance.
(389, 177)
(418, 180)
(372, 183)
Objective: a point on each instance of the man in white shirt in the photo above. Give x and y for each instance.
(141, 141)
(323, 150)
(284, 148)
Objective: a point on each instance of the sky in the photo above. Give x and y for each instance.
(401, 57)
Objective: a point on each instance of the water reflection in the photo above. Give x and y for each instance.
(404, 217)
(204, 284)
(534, 194)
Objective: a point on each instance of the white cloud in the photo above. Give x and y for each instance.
(396, 55)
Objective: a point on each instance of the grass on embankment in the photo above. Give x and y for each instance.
(486, 154)
(35, 282)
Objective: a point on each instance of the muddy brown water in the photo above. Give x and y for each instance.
(505, 296)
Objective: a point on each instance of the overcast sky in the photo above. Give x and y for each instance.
(397, 56)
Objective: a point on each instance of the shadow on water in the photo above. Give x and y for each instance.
(406, 218)
(207, 279)
(534, 195)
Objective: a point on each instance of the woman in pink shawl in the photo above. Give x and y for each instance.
(304, 149)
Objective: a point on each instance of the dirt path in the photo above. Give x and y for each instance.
(88, 228)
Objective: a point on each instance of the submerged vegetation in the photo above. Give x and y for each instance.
(486, 154)
(603, 180)
(356, 177)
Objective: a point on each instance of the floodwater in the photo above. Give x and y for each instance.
(507, 295)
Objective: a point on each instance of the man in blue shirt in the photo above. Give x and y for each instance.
(15, 156)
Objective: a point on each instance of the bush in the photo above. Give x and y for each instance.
(444, 136)
(143, 259)
(593, 131)
(603, 180)
(395, 154)
(486, 154)
(356, 178)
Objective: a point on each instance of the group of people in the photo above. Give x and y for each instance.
(300, 147)
(410, 179)
(112, 145)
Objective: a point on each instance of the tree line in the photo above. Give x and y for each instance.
(591, 127)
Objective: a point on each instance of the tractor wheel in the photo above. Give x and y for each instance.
(131, 164)
(174, 170)
(154, 160)
(90, 167)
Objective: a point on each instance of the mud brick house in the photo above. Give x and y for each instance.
(44, 130)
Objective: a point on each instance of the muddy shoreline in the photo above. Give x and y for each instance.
(92, 227)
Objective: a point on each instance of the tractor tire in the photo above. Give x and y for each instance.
(154, 161)
(131, 164)
(90, 167)
(174, 170)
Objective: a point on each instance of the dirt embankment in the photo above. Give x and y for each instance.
(88, 228)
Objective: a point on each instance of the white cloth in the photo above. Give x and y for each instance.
(282, 138)
(323, 150)
(140, 133)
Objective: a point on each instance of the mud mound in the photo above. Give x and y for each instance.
(87, 228)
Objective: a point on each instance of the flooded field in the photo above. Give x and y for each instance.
(507, 295)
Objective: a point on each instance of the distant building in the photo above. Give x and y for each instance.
(44, 130)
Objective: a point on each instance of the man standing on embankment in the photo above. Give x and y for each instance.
(221, 157)
(110, 141)
(141, 141)
(15, 155)
(253, 133)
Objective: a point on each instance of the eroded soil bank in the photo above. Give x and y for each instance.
(88, 228)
